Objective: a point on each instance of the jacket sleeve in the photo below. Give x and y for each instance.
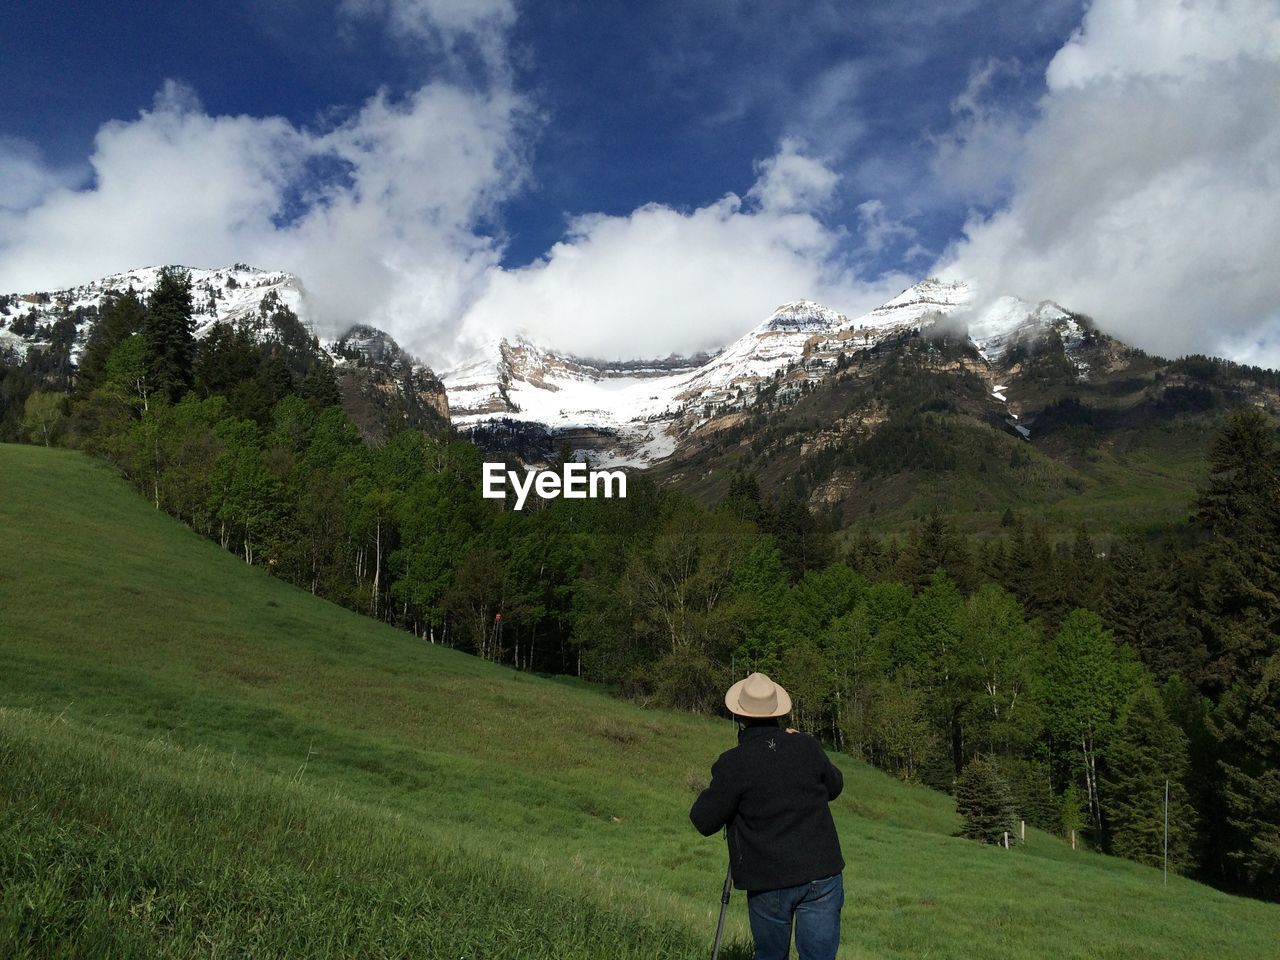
(717, 804)
(831, 776)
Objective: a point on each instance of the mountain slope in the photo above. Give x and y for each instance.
(642, 413)
(225, 294)
(1065, 424)
(198, 757)
(382, 386)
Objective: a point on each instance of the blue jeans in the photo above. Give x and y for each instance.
(815, 907)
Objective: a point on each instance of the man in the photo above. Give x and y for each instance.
(772, 791)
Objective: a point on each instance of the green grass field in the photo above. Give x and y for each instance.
(199, 760)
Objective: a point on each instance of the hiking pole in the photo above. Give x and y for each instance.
(728, 869)
(724, 905)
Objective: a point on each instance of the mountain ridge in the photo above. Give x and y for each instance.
(512, 385)
(1028, 370)
(381, 384)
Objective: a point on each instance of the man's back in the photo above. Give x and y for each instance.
(773, 791)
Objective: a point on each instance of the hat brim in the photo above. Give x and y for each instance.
(735, 707)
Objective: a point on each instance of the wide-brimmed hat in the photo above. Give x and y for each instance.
(757, 696)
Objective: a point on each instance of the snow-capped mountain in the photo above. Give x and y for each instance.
(623, 413)
(225, 294)
(639, 413)
(380, 382)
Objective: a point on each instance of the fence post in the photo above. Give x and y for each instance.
(1024, 830)
(1166, 833)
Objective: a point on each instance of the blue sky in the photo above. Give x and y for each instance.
(468, 154)
(673, 102)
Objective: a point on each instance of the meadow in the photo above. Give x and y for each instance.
(197, 759)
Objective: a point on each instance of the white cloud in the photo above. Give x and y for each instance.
(660, 280)
(443, 25)
(175, 184)
(429, 19)
(879, 230)
(398, 246)
(791, 182)
(382, 216)
(25, 179)
(392, 241)
(1122, 39)
(978, 156)
(379, 217)
(1147, 196)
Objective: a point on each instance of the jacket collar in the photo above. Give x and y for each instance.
(757, 731)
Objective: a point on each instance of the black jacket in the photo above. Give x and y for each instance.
(772, 789)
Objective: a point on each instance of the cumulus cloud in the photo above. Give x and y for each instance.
(377, 215)
(380, 218)
(173, 184)
(1146, 195)
(396, 242)
(661, 280)
(25, 179)
(791, 182)
(385, 215)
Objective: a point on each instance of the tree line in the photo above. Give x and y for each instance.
(1077, 677)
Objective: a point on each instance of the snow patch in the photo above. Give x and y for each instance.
(647, 408)
(224, 294)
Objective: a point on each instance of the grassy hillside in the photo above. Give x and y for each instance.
(196, 759)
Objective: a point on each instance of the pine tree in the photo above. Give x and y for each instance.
(1247, 728)
(743, 499)
(985, 803)
(1238, 598)
(1016, 563)
(1148, 750)
(993, 560)
(1032, 785)
(121, 317)
(866, 556)
(320, 386)
(892, 553)
(932, 544)
(1243, 471)
(805, 545)
(1143, 603)
(1083, 572)
(275, 382)
(1046, 581)
(169, 333)
(225, 358)
(1191, 711)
